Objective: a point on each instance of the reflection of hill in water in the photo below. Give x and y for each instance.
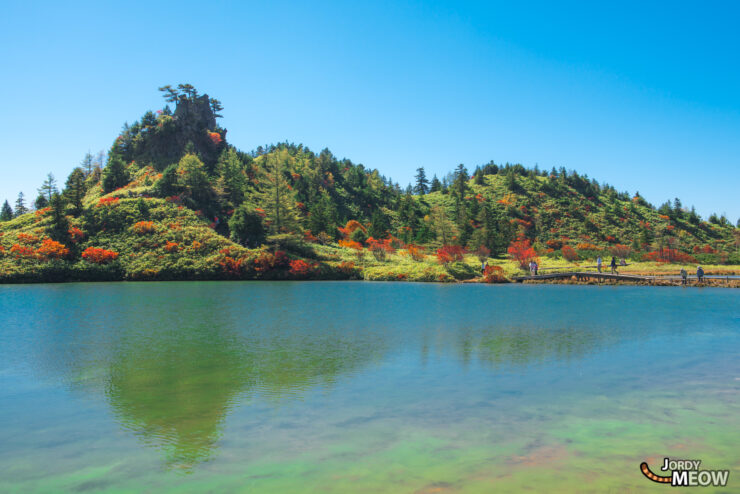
(175, 392)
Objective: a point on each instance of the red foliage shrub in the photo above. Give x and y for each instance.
(522, 252)
(300, 267)
(347, 267)
(587, 246)
(309, 237)
(610, 238)
(450, 253)
(380, 248)
(172, 246)
(105, 201)
(231, 266)
(97, 255)
(668, 255)
(707, 249)
(51, 249)
(350, 227)
(21, 251)
(554, 244)
(569, 253)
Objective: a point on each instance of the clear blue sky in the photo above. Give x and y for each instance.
(645, 97)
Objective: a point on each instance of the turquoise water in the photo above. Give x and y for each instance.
(363, 387)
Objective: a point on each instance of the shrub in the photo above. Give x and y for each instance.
(450, 253)
(172, 246)
(300, 267)
(97, 255)
(380, 248)
(569, 253)
(668, 255)
(493, 274)
(416, 252)
(27, 238)
(522, 252)
(107, 201)
(621, 251)
(267, 261)
(144, 227)
(483, 253)
(51, 249)
(75, 234)
(22, 252)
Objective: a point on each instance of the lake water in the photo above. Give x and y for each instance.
(363, 387)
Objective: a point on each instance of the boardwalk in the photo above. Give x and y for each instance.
(583, 276)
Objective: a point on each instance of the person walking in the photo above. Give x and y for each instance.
(536, 267)
(684, 276)
(598, 264)
(614, 265)
(699, 274)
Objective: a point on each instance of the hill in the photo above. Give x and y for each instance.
(175, 200)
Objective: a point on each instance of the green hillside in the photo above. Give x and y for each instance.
(175, 200)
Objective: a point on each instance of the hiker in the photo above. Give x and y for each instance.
(699, 274)
(614, 264)
(531, 268)
(536, 267)
(684, 276)
(598, 264)
(483, 267)
(623, 262)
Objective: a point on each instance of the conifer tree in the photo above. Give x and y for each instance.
(20, 205)
(422, 184)
(87, 164)
(443, 228)
(48, 188)
(114, 174)
(436, 185)
(59, 223)
(231, 182)
(74, 190)
(6, 214)
(276, 196)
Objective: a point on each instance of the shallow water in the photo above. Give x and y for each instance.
(363, 387)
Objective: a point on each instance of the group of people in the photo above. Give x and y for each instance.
(699, 275)
(533, 267)
(613, 264)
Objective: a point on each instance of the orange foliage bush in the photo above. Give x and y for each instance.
(707, 249)
(172, 246)
(493, 274)
(75, 234)
(522, 252)
(350, 227)
(144, 227)
(51, 249)
(231, 266)
(416, 252)
(300, 267)
(41, 212)
(27, 238)
(215, 137)
(97, 255)
(380, 248)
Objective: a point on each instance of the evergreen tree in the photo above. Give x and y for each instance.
(276, 196)
(379, 225)
(59, 226)
(168, 185)
(436, 184)
(246, 226)
(6, 214)
(87, 164)
(48, 188)
(194, 180)
(40, 202)
(443, 228)
(323, 216)
(422, 184)
(114, 174)
(20, 205)
(231, 182)
(74, 190)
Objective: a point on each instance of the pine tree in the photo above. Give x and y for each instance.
(6, 214)
(87, 164)
(422, 184)
(114, 174)
(323, 216)
(231, 182)
(74, 190)
(443, 228)
(20, 205)
(276, 196)
(379, 225)
(436, 185)
(41, 202)
(48, 188)
(59, 226)
(167, 185)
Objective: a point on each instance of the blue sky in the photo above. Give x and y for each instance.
(644, 97)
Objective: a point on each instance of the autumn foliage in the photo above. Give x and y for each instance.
(97, 255)
(300, 267)
(450, 253)
(522, 252)
(107, 201)
(668, 255)
(380, 248)
(569, 253)
(622, 251)
(144, 227)
(416, 252)
(493, 274)
(75, 234)
(51, 249)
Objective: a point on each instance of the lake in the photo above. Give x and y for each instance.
(363, 387)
